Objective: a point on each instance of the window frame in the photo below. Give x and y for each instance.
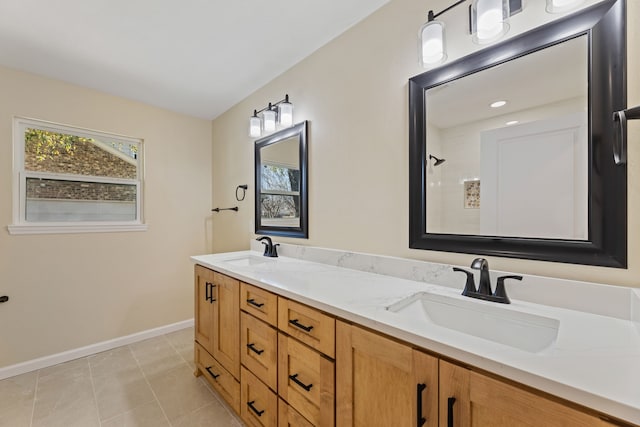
(19, 177)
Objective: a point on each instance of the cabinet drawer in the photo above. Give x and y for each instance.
(259, 349)
(221, 380)
(289, 417)
(260, 303)
(306, 381)
(259, 405)
(309, 325)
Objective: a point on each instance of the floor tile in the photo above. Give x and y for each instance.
(121, 392)
(211, 415)
(182, 342)
(146, 384)
(16, 400)
(180, 393)
(148, 415)
(112, 361)
(156, 356)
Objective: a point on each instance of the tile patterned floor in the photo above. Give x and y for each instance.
(146, 384)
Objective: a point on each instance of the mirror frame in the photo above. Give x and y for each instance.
(300, 131)
(605, 26)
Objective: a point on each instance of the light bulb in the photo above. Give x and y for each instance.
(269, 120)
(285, 111)
(431, 43)
(254, 126)
(560, 6)
(489, 20)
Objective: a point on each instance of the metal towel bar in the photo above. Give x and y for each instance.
(620, 133)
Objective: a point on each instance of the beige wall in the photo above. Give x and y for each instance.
(354, 92)
(73, 290)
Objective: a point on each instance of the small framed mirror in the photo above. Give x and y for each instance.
(281, 205)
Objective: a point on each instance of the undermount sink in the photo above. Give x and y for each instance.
(246, 261)
(490, 321)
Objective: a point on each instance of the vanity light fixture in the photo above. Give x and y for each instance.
(498, 104)
(278, 113)
(561, 6)
(488, 21)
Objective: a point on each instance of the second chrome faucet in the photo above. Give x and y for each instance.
(484, 291)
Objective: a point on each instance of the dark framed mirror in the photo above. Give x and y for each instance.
(532, 177)
(281, 205)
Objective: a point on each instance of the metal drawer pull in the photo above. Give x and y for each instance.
(4, 298)
(209, 292)
(295, 379)
(255, 350)
(215, 377)
(420, 418)
(294, 322)
(450, 402)
(253, 408)
(254, 303)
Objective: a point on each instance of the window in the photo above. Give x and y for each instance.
(280, 195)
(68, 179)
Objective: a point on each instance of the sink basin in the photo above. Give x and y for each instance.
(490, 321)
(246, 261)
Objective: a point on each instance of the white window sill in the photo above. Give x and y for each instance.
(73, 228)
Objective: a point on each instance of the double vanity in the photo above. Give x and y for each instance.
(323, 337)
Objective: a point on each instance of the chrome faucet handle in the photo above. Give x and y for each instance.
(470, 285)
(501, 291)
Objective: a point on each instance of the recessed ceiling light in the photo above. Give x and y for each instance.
(498, 104)
(512, 122)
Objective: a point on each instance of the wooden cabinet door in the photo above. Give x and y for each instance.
(483, 401)
(380, 382)
(204, 307)
(226, 323)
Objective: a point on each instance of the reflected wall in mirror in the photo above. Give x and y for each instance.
(530, 152)
(535, 177)
(281, 183)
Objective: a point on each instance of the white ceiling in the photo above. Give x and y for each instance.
(550, 75)
(197, 57)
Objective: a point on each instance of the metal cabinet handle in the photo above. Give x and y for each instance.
(215, 376)
(253, 408)
(255, 350)
(209, 292)
(294, 322)
(421, 420)
(450, 402)
(254, 303)
(295, 379)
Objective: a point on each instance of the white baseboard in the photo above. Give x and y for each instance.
(54, 359)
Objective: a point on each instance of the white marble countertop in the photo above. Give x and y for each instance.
(594, 361)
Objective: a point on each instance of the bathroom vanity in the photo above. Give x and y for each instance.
(321, 337)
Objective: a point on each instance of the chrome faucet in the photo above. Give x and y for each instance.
(484, 289)
(270, 249)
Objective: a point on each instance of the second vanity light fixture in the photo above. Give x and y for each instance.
(488, 22)
(280, 112)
